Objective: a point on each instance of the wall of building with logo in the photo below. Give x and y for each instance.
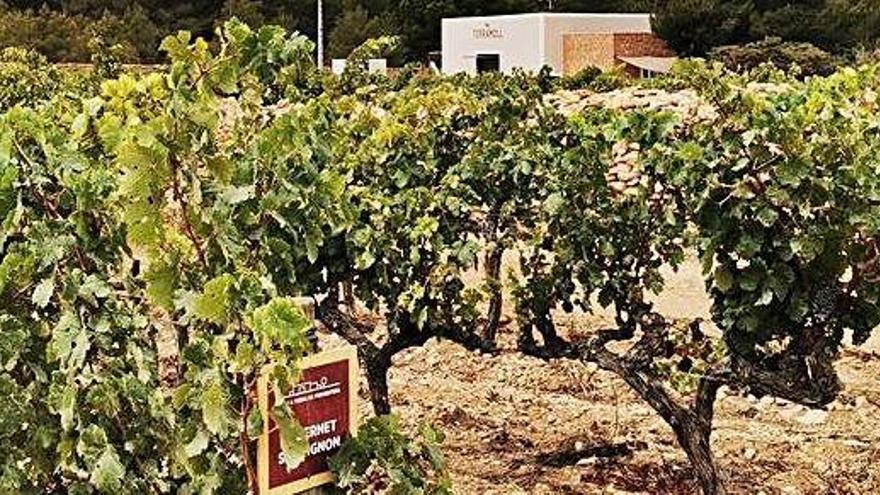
(514, 41)
(531, 41)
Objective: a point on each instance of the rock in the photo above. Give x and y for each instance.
(766, 402)
(750, 454)
(813, 417)
(857, 444)
(579, 446)
(782, 402)
(791, 412)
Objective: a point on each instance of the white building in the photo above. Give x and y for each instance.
(564, 42)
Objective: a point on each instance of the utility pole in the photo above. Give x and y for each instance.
(320, 34)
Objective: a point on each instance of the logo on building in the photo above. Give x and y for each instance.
(488, 32)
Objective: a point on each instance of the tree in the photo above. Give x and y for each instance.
(247, 11)
(141, 32)
(808, 59)
(351, 29)
(693, 27)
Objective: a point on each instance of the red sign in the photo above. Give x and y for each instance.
(324, 404)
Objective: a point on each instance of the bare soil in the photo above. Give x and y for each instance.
(517, 425)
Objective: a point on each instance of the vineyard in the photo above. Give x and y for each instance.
(159, 229)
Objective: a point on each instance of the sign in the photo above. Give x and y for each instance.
(324, 402)
(488, 32)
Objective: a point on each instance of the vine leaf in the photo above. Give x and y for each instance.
(43, 292)
(198, 444)
(214, 413)
(108, 471)
(282, 322)
(213, 303)
(294, 442)
(255, 423)
(67, 407)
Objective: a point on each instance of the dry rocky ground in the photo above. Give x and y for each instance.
(517, 425)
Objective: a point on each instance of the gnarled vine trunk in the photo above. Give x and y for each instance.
(377, 381)
(496, 300)
(691, 424)
(693, 434)
(376, 360)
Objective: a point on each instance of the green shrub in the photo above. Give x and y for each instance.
(26, 78)
(804, 59)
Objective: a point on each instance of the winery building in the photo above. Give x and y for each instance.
(566, 43)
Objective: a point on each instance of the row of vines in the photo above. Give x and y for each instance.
(156, 228)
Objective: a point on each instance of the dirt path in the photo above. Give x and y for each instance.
(517, 425)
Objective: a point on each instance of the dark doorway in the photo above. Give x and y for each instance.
(488, 62)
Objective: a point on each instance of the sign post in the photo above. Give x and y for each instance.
(324, 402)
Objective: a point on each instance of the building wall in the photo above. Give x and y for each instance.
(527, 41)
(517, 39)
(640, 45)
(580, 51)
(557, 26)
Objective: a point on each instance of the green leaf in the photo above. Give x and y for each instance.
(198, 444)
(748, 246)
(236, 195)
(765, 299)
(80, 125)
(255, 423)
(767, 216)
(162, 279)
(780, 279)
(792, 172)
(143, 221)
(214, 301)
(749, 279)
(94, 287)
(67, 407)
(294, 441)
(215, 402)
(364, 260)
(108, 472)
(807, 248)
(281, 322)
(723, 279)
(69, 343)
(43, 292)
